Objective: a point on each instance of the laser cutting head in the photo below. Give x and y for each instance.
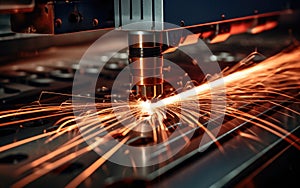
(154, 16)
(51, 17)
(145, 57)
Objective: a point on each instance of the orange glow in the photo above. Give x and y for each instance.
(190, 39)
(264, 73)
(253, 85)
(237, 28)
(260, 28)
(219, 38)
(92, 168)
(146, 108)
(25, 141)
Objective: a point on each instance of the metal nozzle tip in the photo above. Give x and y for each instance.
(149, 92)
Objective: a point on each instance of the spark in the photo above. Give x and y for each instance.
(92, 168)
(276, 75)
(267, 83)
(146, 108)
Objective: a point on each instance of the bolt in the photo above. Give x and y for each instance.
(95, 22)
(182, 24)
(58, 22)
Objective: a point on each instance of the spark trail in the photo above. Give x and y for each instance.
(273, 81)
(267, 82)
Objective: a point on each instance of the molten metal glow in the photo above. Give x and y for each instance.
(268, 82)
(146, 108)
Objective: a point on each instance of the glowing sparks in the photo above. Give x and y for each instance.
(146, 108)
(264, 83)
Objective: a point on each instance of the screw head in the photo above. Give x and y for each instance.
(58, 22)
(182, 24)
(95, 22)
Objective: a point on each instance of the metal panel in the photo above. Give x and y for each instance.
(65, 17)
(132, 11)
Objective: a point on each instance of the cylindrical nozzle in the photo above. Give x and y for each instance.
(147, 77)
(145, 56)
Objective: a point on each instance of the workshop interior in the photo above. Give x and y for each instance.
(149, 93)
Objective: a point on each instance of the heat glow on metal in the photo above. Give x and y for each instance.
(270, 81)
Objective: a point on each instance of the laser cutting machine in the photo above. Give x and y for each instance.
(213, 21)
(42, 43)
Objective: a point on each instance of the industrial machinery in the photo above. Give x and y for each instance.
(85, 91)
